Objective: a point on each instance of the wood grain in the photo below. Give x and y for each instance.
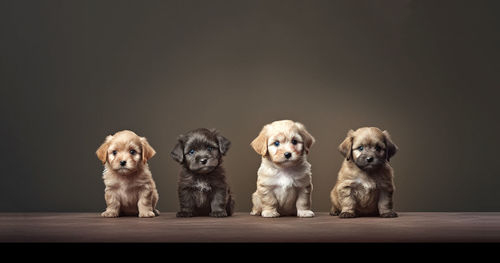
(90, 227)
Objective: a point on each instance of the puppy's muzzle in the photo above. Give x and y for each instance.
(367, 162)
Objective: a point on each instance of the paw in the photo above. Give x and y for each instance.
(270, 213)
(305, 213)
(347, 215)
(184, 214)
(334, 213)
(255, 213)
(157, 212)
(218, 214)
(147, 214)
(389, 214)
(108, 213)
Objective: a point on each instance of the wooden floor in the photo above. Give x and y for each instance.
(90, 227)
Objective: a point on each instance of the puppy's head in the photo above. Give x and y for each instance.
(284, 142)
(125, 152)
(200, 150)
(368, 147)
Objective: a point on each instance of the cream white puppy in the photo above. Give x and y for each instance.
(284, 182)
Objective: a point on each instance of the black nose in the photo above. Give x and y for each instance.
(123, 163)
(203, 161)
(288, 155)
(369, 159)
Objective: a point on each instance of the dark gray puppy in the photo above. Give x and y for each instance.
(202, 186)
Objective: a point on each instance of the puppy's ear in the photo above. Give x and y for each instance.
(308, 138)
(102, 151)
(147, 151)
(178, 151)
(259, 144)
(224, 144)
(345, 147)
(391, 148)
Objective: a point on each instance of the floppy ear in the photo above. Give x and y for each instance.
(308, 138)
(102, 151)
(178, 151)
(224, 144)
(345, 147)
(147, 151)
(391, 148)
(259, 144)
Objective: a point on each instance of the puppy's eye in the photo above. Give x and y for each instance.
(294, 142)
(191, 152)
(378, 148)
(209, 148)
(277, 143)
(133, 152)
(360, 148)
(114, 152)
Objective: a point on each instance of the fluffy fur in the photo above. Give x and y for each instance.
(130, 189)
(365, 181)
(202, 186)
(284, 182)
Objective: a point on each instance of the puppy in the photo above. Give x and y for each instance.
(202, 186)
(130, 189)
(284, 182)
(365, 181)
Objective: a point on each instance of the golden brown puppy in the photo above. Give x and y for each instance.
(130, 189)
(365, 180)
(284, 182)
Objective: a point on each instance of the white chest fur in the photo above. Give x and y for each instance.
(202, 186)
(285, 183)
(365, 182)
(284, 180)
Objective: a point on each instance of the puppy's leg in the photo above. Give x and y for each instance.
(334, 210)
(268, 202)
(155, 202)
(303, 203)
(112, 203)
(257, 205)
(230, 204)
(187, 203)
(145, 203)
(218, 203)
(347, 202)
(385, 204)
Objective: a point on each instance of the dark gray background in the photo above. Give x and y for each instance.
(73, 72)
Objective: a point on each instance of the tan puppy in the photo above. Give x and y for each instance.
(284, 182)
(130, 189)
(365, 180)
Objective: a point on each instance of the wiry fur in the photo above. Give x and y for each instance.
(365, 188)
(284, 185)
(202, 188)
(130, 188)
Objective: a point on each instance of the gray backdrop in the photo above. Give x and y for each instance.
(73, 72)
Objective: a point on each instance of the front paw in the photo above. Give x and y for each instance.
(334, 213)
(270, 213)
(218, 214)
(255, 213)
(389, 214)
(305, 213)
(147, 214)
(347, 215)
(184, 214)
(109, 213)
